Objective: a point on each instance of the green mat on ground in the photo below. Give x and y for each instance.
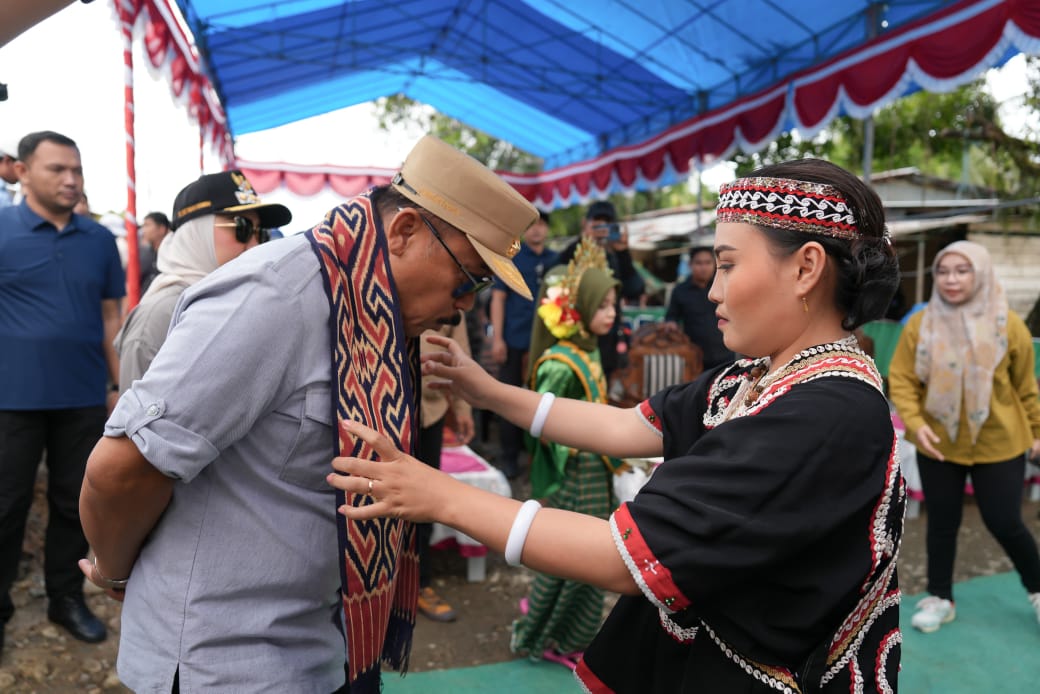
(521, 676)
(993, 646)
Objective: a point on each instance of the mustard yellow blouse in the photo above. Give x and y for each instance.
(1014, 408)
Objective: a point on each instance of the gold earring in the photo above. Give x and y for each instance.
(805, 305)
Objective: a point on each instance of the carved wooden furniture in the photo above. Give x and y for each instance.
(659, 355)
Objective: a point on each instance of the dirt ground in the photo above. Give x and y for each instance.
(41, 658)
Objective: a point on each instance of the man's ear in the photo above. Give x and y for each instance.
(401, 230)
(19, 169)
(811, 263)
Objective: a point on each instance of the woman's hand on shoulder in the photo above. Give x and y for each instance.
(399, 485)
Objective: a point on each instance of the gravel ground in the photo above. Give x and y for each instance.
(40, 657)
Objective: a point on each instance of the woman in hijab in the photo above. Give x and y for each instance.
(560, 617)
(962, 380)
(216, 219)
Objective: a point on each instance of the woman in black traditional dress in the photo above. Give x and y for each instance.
(761, 556)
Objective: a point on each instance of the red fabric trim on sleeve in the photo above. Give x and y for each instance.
(588, 679)
(649, 416)
(649, 573)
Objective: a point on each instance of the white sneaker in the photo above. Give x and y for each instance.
(933, 612)
(1034, 599)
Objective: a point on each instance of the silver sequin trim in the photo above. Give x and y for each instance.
(749, 666)
(681, 634)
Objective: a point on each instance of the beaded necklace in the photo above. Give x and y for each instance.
(758, 379)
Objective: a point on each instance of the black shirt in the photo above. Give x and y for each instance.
(690, 306)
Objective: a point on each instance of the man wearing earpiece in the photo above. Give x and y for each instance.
(217, 218)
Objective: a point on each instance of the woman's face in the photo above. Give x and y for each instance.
(603, 319)
(955, 278)
(757, 307)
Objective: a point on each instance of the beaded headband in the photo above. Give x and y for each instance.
(784, 203)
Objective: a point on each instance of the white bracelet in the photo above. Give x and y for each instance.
(518, 533)
(541, 414)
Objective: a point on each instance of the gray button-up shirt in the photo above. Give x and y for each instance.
(237, 586)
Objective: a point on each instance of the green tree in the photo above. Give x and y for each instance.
(956, 135)
(503, 156)
(496, 154)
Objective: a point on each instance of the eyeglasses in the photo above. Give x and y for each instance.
(957, 271)
(245, 230)
(472, 285)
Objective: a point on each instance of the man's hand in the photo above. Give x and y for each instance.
(89, 569)
(621, 243)
(499, 350)
(462, 424)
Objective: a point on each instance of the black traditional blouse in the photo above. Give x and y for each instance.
(765, 545)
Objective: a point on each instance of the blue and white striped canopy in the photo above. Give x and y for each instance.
(639, 86)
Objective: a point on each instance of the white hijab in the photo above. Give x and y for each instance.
(186, 255)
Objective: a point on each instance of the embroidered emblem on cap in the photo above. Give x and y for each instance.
(513, 249)
(245, 193)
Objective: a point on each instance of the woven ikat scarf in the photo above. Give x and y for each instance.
(375, 369)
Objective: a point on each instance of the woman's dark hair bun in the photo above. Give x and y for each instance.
(867, 268)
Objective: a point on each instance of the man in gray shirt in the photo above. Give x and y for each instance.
(206, 500)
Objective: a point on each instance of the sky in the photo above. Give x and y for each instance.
(66, 74)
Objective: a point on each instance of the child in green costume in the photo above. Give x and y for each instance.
(561, 617)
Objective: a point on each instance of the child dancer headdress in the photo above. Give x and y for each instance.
(569, 298)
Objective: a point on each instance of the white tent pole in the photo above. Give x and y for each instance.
(868, 148)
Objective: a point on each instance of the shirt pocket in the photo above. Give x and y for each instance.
(309, 459)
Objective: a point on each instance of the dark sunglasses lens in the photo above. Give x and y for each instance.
(472, 287)
(245, 230)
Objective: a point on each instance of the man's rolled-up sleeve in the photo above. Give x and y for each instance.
(228, 360)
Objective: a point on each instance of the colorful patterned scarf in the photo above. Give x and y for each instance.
(376, 368)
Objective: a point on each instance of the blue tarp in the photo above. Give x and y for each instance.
(612, 94)
(563, 80)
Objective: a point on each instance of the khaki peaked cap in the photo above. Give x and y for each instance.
(466, 194)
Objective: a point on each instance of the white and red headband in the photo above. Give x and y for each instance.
(784, 203)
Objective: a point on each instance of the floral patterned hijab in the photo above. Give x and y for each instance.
(960, 346)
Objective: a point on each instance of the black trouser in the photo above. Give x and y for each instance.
(68, 436)
(431, 439)
(511, 437)
(998, 494)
